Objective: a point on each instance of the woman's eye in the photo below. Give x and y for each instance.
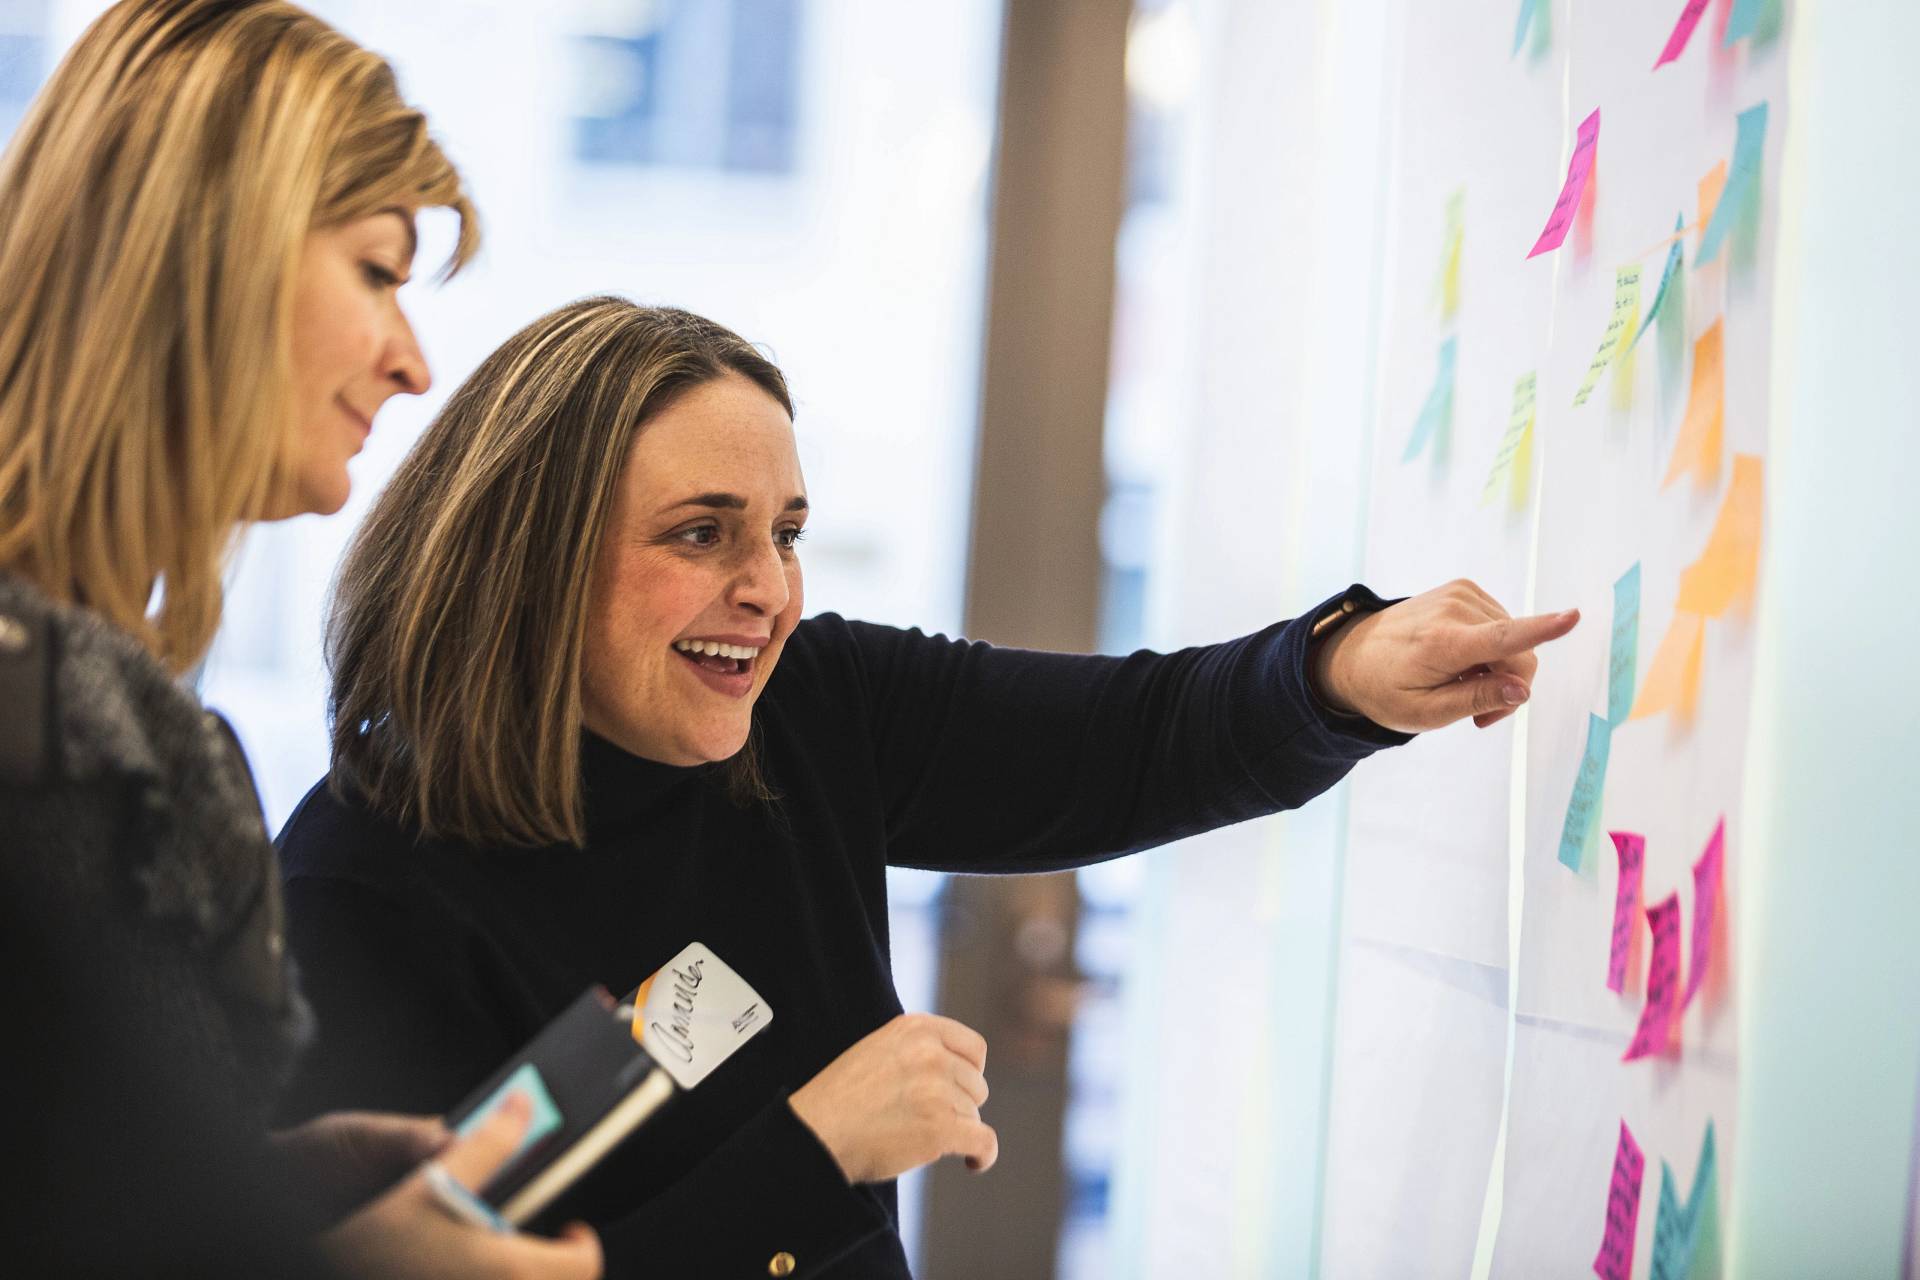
(379, 277)
(703, 535)
(789, 538)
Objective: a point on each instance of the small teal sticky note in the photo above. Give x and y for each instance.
(1529, 13)
(1436, 416)
(1686, 1237)
(1623, 657)
(1583, 811)
(1667, 275)
(545, 1116)
(1743, 182)
(1743, 21)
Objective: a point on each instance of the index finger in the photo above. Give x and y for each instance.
(474, 1159)
(1491, 642)
(963, 1040)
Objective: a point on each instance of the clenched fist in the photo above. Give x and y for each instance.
(904, 1096)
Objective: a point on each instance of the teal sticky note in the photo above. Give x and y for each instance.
(1529, 12)
(1743, 182)
(1436, 416)
(1667, 275)
(1583, 810)
(1686, 1237)
(1743, 21)
(545, 1115)
(1623, 657)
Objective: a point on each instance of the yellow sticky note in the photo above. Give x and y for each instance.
(1673, 677)
(1698, 449)
(1710, 188)
(1727, 570)
(1513, 464)
(1447, 283)
(1626, 314)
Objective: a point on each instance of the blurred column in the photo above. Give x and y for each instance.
(1033, 580)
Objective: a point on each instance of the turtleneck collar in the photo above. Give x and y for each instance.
(620, 787)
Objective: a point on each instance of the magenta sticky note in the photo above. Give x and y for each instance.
(1585, 147)
(1663, 981)
(1615, 1260)
(1626, 901)
(1682, 32)
(1707, 874)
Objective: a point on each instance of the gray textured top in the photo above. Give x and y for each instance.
(129, 822)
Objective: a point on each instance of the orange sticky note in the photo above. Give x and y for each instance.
(1698, 449)
(1710, 188)
(1726, 571)
(1673, 678)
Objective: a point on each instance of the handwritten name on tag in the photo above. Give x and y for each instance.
(695, 1013)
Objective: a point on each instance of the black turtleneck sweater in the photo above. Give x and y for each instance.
(430, 962)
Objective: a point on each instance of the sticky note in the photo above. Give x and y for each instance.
(1729, 568)
(1530, 11)
(1436, 416)
(1632, 850)
(1583, 810)
(1513, 464)
(1626, 312)
(1743, 181)
(1697, 451)
(1667, 274)
(1446, 284)
(1655, 1032)
(1710, 189)
(1707, 876)
(1673, 677)
(1585, 148)
(1682, 32)
(1615, 1260)
(1686, 1237)
(1742, 22)
(1624, 651)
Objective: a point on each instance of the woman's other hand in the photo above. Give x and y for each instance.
(902, 1097)
(407, 1234)
(343, 1159)
(1439, 657)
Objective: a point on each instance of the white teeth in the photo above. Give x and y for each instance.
(714, 649)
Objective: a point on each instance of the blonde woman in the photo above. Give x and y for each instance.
(580, 723)
(204, 219)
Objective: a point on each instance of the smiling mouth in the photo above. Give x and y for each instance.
(726, 668)
(362, 421)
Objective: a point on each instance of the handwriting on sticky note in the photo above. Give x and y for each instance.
(1682, 32)
(1583, 810)
(1743, 182)
(1673, 677)
(1697, 451)
(1728, 570)
(1615, 1259)
(1626, 312)
(1632, 850)
(1708, 874)
(1436, 416)
(1624, 650)
(1667, 274)
(1686, 1234)
(1656, 1030)
(1513, 463)
(1585, 149)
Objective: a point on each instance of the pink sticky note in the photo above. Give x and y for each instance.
(1579, 169)
(1663, 981)
(1632, 850)
(1706, 902)
(1615, 1261)
(1682, 32)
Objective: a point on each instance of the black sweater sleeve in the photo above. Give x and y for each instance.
(407, 1025)
(994, 760)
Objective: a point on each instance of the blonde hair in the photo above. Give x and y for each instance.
(154, 205)
(459, 617)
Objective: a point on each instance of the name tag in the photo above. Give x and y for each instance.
(695, 1013)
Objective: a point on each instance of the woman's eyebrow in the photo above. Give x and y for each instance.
(406, 220)
(729, 502)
